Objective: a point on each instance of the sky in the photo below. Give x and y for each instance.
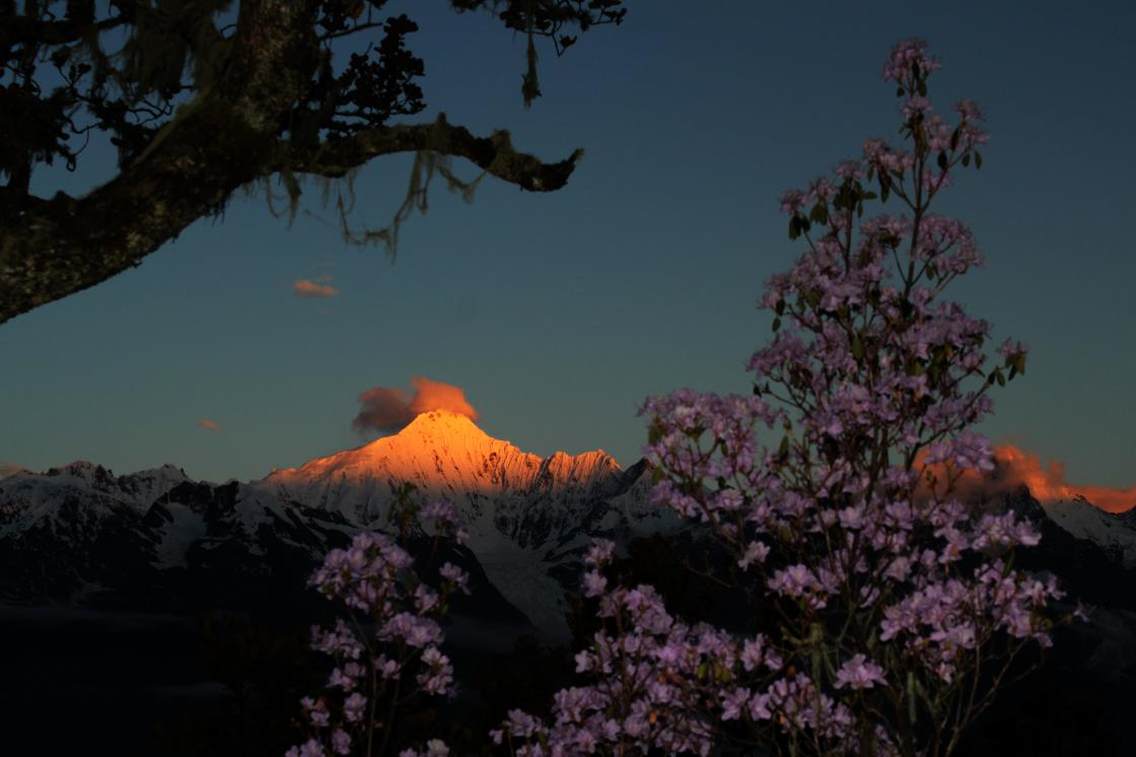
(245, 345)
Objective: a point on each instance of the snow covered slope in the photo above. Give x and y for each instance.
(1115, 533)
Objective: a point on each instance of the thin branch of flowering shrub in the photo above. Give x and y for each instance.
(391, 654)
(897, 617)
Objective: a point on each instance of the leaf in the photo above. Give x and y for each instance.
(819, 213)
(977, 160)
(942, 160)
(966, 159)
(776, 324)
(857, 347)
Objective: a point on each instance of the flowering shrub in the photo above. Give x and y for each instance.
(897, 617)
(389, 656)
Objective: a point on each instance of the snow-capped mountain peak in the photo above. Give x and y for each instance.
(527, 517)
(443, 454)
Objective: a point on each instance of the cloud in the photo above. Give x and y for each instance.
(1014, 467)
(309, 288)
(10, 469)
(382, 409)
(389, 409)
(438, 395)
(209, 425)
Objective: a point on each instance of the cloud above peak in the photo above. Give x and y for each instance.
(309, 288)
(1014, 467)
(1048, 482)
(388, 409)
(209, 424)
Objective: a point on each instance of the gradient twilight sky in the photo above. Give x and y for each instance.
(558, 313)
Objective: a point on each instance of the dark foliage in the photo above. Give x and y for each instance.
(174, 47)
(198, 108)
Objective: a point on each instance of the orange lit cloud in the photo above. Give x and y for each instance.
(10, 469)
(389, 409)
(1014, 467)
(209, 425)
(308, 288)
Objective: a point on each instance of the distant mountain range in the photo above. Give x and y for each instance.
(156, 539)
(79, 535)
(109, 584)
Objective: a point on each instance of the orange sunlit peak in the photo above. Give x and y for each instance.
(432, 431)
(443, 420)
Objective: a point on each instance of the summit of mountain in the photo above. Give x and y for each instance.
(442, 454)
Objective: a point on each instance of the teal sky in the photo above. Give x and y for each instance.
(558, 313)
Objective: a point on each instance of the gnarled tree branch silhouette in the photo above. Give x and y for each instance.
(265, 101)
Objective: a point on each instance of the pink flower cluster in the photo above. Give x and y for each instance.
(908, 60)
(890, 602)
(373, 577)
(663, 684)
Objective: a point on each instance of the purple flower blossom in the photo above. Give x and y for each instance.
(340, 741)
(859, 673)
(756, 552)
(455, 575)
(908, 54)
(916, 106)
(600, 552)
(353, 707)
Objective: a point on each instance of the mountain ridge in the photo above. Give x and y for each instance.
(444, 453)
(529, 519)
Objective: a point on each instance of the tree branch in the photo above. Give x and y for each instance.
(24, 29)
(53, 248)
(226, 138)
(494, 154)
